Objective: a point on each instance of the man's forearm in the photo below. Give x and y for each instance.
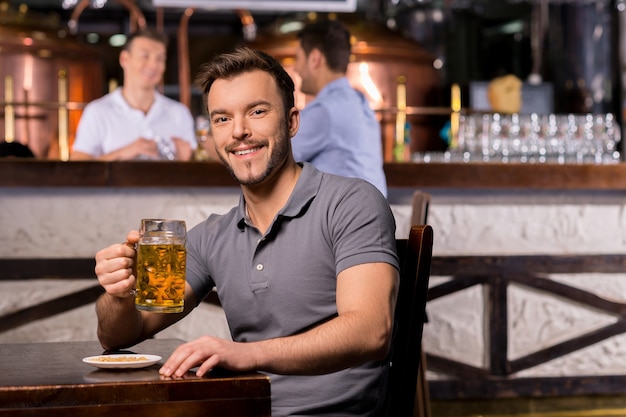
(119, 323)
(334, 345)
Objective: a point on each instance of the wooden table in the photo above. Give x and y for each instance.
(50, 379)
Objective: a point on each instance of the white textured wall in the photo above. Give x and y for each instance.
(76, 222)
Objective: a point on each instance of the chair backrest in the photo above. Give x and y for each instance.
(420, 203)
(415, 255)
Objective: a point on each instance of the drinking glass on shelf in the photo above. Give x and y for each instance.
(516, 137)
(607, 135)
(202, 135)
(484, 135)
(590, 143)
(460, 135)
(537, 145)
(468, 143)
(572, 139)
(554, 143)
(495, 137)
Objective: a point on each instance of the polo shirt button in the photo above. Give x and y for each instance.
(259, 267)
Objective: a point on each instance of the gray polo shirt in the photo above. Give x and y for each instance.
(284, 282)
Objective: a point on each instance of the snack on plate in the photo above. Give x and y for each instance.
(121, 359)
(505, 94)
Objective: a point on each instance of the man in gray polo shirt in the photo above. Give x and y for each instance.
(305, 266)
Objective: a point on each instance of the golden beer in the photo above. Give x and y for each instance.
(161, 264)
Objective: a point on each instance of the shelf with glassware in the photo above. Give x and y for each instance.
(532, 138)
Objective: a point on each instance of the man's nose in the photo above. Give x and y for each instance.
(241, 129)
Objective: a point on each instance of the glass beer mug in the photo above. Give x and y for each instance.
(161, 264)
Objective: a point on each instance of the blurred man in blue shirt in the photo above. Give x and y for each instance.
(339, 132)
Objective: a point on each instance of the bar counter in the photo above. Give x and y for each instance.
(486, 176)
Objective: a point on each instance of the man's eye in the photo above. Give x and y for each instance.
(219, 119)
(257, 112)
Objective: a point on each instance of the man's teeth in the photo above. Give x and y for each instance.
(246, 151)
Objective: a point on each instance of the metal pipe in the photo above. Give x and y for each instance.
(455, 116)
(249, 26)
(137, 19)
(400, 145)
(184, 75)
(539, 26)
(160, 19)
(9, 115)
(72, 24)
(64, 142)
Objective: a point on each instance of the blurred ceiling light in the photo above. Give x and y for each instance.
(117, 40)
(92, 37)
(291, 26)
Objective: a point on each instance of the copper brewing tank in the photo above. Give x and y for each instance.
(46, 78)
(396, 74)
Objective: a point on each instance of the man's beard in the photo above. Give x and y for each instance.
(278, 157)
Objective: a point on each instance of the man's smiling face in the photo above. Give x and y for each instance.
(249, 127)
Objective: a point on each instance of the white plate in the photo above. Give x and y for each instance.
(125, 360)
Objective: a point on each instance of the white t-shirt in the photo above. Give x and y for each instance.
(110, 123)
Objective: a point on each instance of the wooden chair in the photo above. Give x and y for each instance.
(415, 258)
(421, 203)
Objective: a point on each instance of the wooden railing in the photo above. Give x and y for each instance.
(496, 273)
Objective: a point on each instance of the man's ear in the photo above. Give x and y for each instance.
(316, 58)
(123, 58)
(294, 121)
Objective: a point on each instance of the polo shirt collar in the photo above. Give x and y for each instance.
(304, 192)
(338, 84)
(119, 99)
